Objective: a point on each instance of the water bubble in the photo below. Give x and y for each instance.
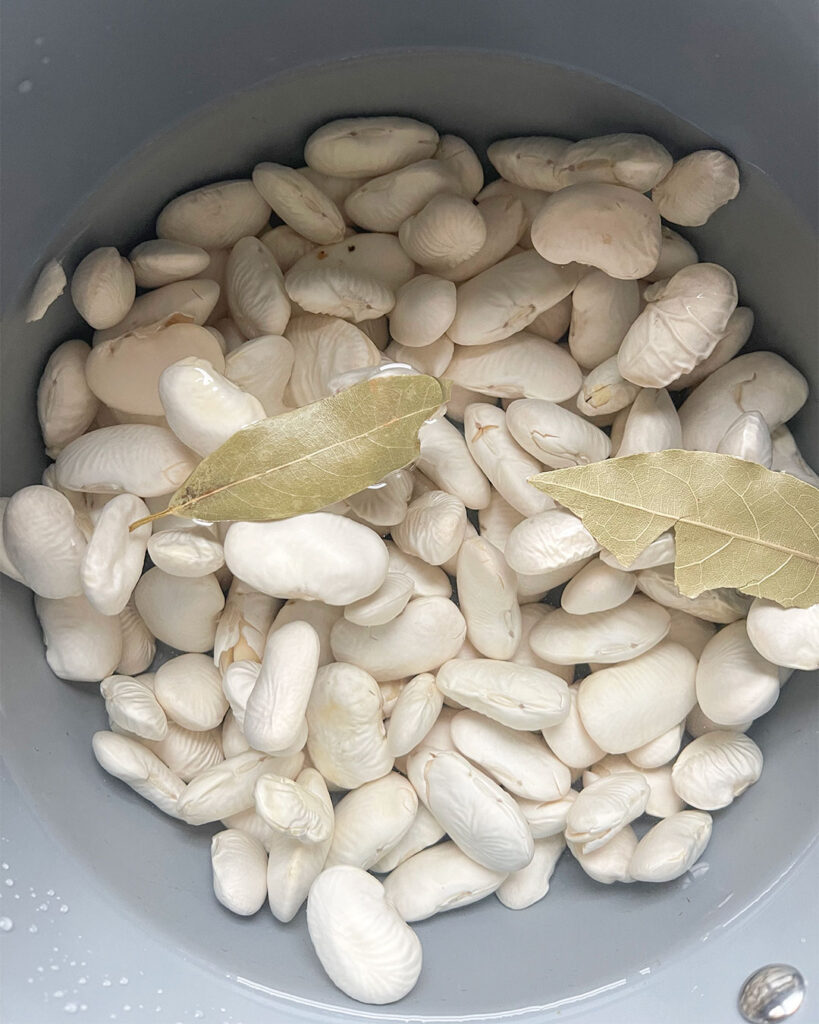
(25, 86)
(45, 60)
(43, 906)
(83, 1006)
(64, 908)
(106, 982)
(33, 929)
(9, 881)
(4, 866)
(58, 994)
(50, 892)
(123, 980)
(82, 981)
(40, 970)
(39, 40)
(54, 967)
(198, 1015)
(70, 1007)
(6, 924)
(127, 1007)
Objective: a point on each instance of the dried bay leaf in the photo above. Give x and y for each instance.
(736, 524)
(304, 460)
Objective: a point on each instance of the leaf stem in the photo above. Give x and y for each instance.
(149, 519)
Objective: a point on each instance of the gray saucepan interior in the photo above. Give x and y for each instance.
(483, 959)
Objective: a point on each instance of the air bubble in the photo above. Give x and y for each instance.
(6, 924)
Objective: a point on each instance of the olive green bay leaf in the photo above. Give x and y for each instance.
(736, 523)
(304, 460)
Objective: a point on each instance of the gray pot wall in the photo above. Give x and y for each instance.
(176, 94)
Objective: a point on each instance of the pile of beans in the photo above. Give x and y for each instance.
(334, 705)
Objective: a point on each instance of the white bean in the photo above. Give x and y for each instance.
(138, 642)
(103, 288)
(609, 863)
(239, 865)
(132, 706)
(137, 767)
(113, 560)
(680, 326)
(605, 390)
(721, 605)
(81, 644)
(320, 556)
(671, 847)
(734, 682)
(531, 161)
(521, 366)
(519, 761)
(505, 219)
(597, 588)
(433, 527)
(299, 202)
(547, 541)
(392, 651)
(293, 866)
(715, 768)
(480, 818)
(487, 595)
(439, 879)
(359, 937)
(383, 203)
(636, 701)
(748, 438)
(277, 704)
(424, 309)
(696, 187)
(322, 617)
(416, 709)
(293, 810)
(506, 465)
(461, 160)
(615, 635)
(43, 541)
(569, 740)
(162, 261)
(215, 216)
(637, 161)
(659, 751)
(180, 612)
(227, 787)
(188, 754)
(325, 348)
(651, 425)
(66, 406)
(49, 286)
(372, 255)
(601, 225)
(555, 436)
(760, 382)
(605, 807)
(346, 738)
(371, 820)
(505, 298)
(135, 457)
(193, 300)
(517, 696)
(785, 636)
(360, 147)
(528, 885)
